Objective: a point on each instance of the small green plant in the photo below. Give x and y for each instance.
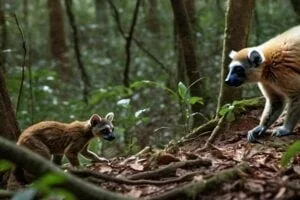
(290, 154)
(46, 186)
(230, 110)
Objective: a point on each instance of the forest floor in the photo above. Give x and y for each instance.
(169, 173)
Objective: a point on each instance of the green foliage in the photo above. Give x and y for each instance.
(290, 154)
(47, 187)
(230, 110)
(5, 165)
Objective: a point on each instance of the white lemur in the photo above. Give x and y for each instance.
(275, 66)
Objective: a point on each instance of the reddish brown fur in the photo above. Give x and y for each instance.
(282, 65)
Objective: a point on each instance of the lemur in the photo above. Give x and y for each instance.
(52, 138)
(275, 66)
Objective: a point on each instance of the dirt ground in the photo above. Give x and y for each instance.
(265, 179)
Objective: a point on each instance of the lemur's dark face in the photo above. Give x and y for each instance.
(241, 68)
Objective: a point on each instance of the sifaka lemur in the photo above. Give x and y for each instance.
(275, 66)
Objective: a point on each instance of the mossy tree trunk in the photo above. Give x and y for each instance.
(237, 26)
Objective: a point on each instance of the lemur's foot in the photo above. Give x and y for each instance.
(255, 133)
(282, 131)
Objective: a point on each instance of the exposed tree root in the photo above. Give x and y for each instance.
(170, 169)
(98, 178)
(192, 190)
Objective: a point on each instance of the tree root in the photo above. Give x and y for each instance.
(191, 190)
(170, 169)
(214, 134)
(99, 178)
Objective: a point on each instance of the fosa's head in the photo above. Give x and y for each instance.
(246, 66)
(102, 126)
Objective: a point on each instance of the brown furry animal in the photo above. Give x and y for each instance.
(55, 138)
(275, 66)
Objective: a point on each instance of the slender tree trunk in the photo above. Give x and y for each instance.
(58, 38)
(84, 76)
(8, 124)
(152, 21)
(187, 43)
(296, 7)
(3, 35)
(237, 26)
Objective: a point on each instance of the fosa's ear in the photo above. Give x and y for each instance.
(94, 120)
(255, 57)
(232, 54)
(109, 116)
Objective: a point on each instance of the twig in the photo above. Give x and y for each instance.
(214, 134)
(170, 169)
(191, 190)
(98, 178)
(128, 44)
(144, 150)
(23, 63)
(84, 75)
(137, 42)
(208, 126)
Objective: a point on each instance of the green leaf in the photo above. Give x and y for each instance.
(182, 90)
(230, 116)
(290, 154)
(5, 165)
(194, 100)
(62, 193)
(45, 182)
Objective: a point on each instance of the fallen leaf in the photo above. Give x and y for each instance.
(134, 193)
(296, 169)
(136, 166)
(280, 193)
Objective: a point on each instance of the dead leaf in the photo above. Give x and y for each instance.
(136, 166)
(134, 193)
(198, 178)
(296, 169)
(104, 168)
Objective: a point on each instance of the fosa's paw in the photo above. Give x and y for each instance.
(255, 133)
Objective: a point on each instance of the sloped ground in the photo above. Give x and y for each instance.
(266, 179)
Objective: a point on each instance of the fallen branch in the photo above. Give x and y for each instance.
(135, 156)
(98, 178)
(191, 190)
(39, 166)
(214, 134)
(6, 194)
(209, 126)
(170, 170)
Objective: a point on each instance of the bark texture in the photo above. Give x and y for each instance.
(187, 45)
(237, 27)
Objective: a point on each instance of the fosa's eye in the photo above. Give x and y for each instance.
(105, 131)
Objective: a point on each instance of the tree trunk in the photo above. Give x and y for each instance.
(152, 21)
(58, 39)
(3, 35)
(187, 45)
(296, 7)
(237, 25)
(8, 124)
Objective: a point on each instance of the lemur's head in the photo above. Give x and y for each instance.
(102, 126)
(246, 66)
